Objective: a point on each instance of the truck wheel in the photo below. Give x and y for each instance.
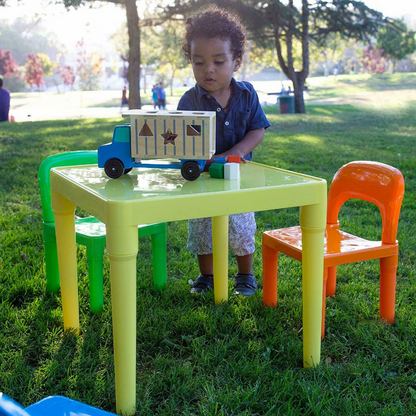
(113, 168)
(190, 170)
(127, 170)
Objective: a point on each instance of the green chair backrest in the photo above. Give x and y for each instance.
(81, 157)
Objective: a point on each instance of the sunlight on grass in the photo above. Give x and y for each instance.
(307, 139)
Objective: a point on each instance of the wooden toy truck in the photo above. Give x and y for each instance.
(185, 135)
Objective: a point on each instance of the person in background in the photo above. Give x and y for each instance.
(214, 44)
(154, 96)
(124, 100)
(161, 97)
(4, 103)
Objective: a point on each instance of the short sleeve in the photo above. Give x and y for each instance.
(258, 119)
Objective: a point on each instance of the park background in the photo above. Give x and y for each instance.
(194, 357)
(77, 59)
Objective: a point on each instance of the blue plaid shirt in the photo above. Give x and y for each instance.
(245, 113)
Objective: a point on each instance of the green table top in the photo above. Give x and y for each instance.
(148, 195)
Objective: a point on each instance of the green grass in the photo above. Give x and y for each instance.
(376, 89)
(194, 357)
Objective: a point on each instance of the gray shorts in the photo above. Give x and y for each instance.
(241, 229)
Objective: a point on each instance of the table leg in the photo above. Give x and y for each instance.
(64, 211)
(312, 221)
(220, 257)
(122, 247)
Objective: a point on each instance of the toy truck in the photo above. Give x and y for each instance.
(185, 135)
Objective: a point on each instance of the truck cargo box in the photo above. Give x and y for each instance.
(172, 134)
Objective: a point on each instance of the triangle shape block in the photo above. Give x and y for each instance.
(145, 131)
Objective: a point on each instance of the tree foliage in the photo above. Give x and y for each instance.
(373, 60)
(161, 47)
(8, 65)
(33, 70)
(396, 41)
(46, 64)
(288, 25)
(67, 74)
(132, 17)
(89, 68)
(23, 36)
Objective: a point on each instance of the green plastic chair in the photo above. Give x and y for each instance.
(90, 232)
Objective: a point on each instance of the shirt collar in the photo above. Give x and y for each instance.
(238, 88)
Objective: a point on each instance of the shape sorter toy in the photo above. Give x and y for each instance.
(185, 135)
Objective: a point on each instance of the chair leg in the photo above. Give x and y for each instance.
(51, 263)
(159, 258)
(324, 293)
(95, 271)
(270, 264)
(388, 271)
(332, 281)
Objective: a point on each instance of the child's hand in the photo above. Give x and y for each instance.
(225, 154)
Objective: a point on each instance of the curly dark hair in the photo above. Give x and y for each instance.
(215, 22)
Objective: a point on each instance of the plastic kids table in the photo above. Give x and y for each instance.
(160, 195)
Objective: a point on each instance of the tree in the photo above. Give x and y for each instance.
(67, 74)
(373, 60)
(8, 65)
(88, 69)
(133, 29)
(46, 64)
(162, 50)
(34, 71)
(23, 36)
(396, 41)
(329, 49)
(289, 25)
(132, 16)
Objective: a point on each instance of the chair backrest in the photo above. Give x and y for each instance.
(374, 182)
(81, 157)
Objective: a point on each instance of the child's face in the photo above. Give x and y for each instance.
(213, 63)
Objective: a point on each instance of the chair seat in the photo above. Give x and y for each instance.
(339, 246)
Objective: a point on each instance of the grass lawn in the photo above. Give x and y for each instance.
(194, 357)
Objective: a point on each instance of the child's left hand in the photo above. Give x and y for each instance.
(225, 154)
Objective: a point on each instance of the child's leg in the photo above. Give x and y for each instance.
(205, 263)
(244, 263)
(242, 230)
(200, 243)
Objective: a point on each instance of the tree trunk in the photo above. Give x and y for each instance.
(171, 79)
(298, 84)
(297, 78)
(134, 54)
(326, 65)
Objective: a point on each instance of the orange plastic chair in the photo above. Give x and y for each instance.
(374, 182)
